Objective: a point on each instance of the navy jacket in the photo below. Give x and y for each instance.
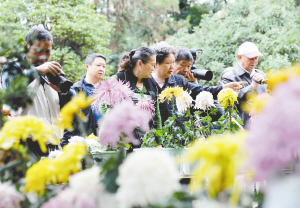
(90, 125)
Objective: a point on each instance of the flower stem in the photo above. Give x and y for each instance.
(230, 119)
(208, 124)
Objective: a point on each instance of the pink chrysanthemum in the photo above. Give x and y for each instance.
(111, 92)
(9, 196)
(147, 106)
(274, 137)
(123, 117)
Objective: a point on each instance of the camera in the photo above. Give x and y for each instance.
(60, 81)
(200, 73)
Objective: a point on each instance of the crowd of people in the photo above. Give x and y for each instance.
(148, 70)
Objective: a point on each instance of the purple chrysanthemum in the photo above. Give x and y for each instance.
(123, 117)
(147, 106)
(111, 92)
(274, 137)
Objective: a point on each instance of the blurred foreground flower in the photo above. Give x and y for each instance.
(83, 192)
(9, 196)
(73, 107)
(147, 106)
(111, 92)
(204, 100)
(282, 75)
(218, 159)
(92, 136)
(155, 179)
(169, 92)
(274, 137)
(227, 97)
(21, 127)
(75, 139)
(55, 170)
(183, 102)
(123, 117)
(257, 102)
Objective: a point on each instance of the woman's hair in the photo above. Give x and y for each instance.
(163, 50)
(129, 59)
(125, 57)
(184, 53)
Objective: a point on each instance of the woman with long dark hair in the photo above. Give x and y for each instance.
(136, 68)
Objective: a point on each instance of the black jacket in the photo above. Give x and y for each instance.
(180, 81)
(90, 126)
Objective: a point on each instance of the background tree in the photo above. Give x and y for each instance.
(272, 24)
(76, 28)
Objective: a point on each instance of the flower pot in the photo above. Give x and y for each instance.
(178, 155)
(100, 158)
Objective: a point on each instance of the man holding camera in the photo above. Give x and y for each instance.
(95, 64)
(49, 97)
(248, 54)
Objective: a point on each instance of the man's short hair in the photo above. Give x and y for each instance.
(184, 53)
(37, 34)
(91, 58)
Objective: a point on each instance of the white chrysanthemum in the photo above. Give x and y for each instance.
(204, 100)
(9, 196)
(283, 193)
(75, 139)
(184, 102)
(93, 145)
(146, 177)
(86, 179)
(54, 154)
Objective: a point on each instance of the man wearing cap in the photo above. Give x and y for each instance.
(245, 71)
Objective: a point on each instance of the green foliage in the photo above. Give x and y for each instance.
(224, 121)
(74, 25)
(206, 120)
(273, 25)
(110, 172)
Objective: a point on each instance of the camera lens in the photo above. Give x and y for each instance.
(202, 74)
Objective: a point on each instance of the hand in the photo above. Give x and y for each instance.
(236, 86)
(52, 67)
(190, 76)
(159, 146)
(258, 78)
(54, 87)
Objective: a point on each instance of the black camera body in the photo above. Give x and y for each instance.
(60, 81)
(200, 73)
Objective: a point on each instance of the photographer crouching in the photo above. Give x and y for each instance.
(52, 88)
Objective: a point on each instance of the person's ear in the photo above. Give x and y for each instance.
(86, 67)
(240, 57)
(140, 63)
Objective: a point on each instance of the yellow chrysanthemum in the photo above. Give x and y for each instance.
(255, 103)
(218, 159)
(73, 107)
(227, 97)
(56, 170)
(21, 127)
(92, 136)
(169, 92)
(282, 75)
